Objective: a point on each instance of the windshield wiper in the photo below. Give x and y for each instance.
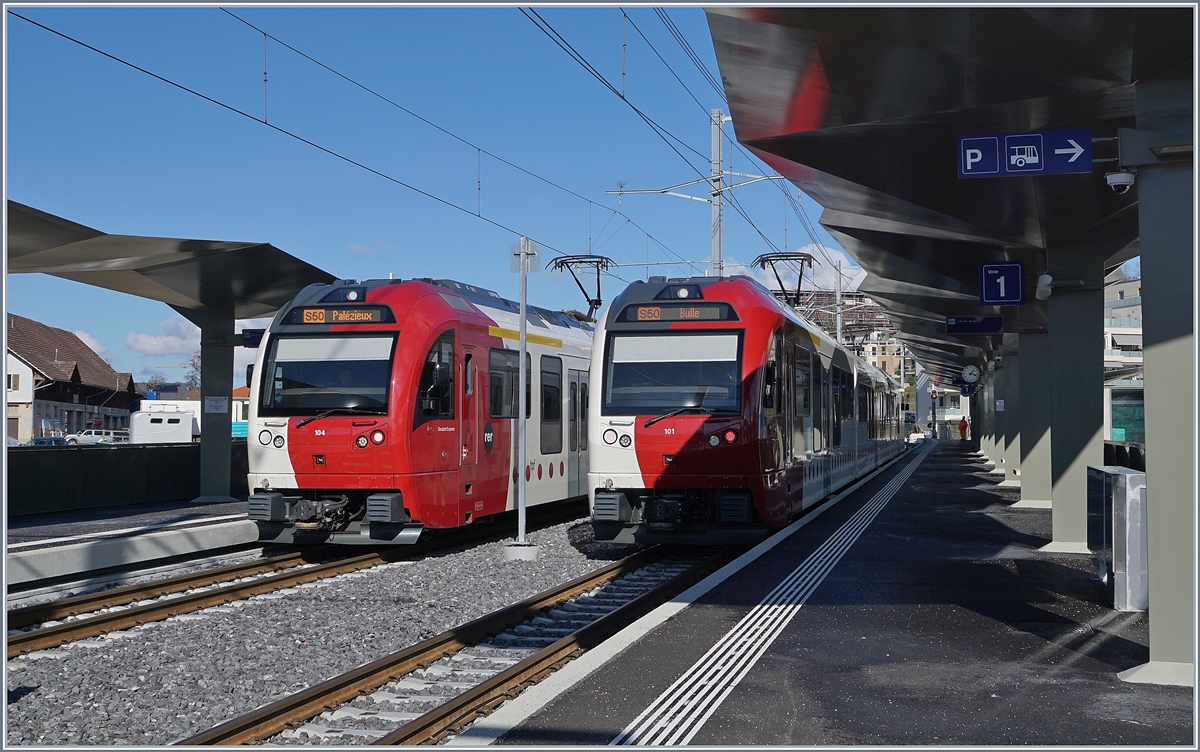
(673, 413)
(334, 411)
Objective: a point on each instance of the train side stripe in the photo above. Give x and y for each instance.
(680, 712)
(536, 339)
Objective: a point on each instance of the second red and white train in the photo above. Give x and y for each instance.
(719, 414)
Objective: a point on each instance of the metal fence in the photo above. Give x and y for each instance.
(55, 479)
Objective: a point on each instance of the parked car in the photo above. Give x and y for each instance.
(11, 442)
(98, 436)
(58, 441)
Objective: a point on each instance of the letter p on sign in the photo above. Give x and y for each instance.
(978, 156)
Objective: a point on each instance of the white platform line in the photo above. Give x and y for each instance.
(679, 713)
(125, 531)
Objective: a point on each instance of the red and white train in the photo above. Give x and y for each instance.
(383, 408)
(721, 414)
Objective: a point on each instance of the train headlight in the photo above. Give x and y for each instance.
(264, 437)
(625, 440)
(681, 292)
(377, 437)
(360, 442)
(610, 436)
(714, 440)
(730, 436)
(278, 442)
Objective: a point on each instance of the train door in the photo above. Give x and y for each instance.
(468, 420)
(577, 464)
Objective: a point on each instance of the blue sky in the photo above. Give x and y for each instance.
(107, 146)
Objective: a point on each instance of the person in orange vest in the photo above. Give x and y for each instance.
(962, 428)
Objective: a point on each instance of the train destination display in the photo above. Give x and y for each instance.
(686, 312)
(340, 315)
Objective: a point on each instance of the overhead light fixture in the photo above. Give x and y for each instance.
(1044, 284)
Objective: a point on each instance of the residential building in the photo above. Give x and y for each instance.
(57, 385)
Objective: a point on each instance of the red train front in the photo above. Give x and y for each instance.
(722, 414)
(383, 408)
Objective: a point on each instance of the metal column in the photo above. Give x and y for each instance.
(1034, 395)
(1077, 405)
(1012, 421)
(1165, 214)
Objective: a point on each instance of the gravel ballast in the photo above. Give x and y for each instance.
(166, 681)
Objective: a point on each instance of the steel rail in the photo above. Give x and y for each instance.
(49, 637)
(277, 716)
(453, 716)
(26, 616)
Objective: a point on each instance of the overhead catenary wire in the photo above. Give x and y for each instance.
(479, 149)
(288, 133)
(690, 52)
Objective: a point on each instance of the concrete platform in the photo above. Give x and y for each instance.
(63, 544)
(941, 623)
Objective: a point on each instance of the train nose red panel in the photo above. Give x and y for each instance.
(676, 446)
(344, 446)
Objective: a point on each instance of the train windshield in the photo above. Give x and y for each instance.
(307, 375)
(652, 375)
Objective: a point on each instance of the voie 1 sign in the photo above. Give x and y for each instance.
(995, 155)
(1002, 283)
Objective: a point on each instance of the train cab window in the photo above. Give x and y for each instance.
(802, 396)
(307, 375)
(468, 375)
(552, 442)
(771, 380)
(435, 393)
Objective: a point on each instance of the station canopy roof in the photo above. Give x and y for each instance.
(862, 107)
(198, 278)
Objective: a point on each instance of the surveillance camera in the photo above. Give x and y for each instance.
(1121, 181)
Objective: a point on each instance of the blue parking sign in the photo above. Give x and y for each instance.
(1002, 283)
(995, 155)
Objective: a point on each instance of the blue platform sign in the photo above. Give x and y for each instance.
(998, 155)
(1002, 283)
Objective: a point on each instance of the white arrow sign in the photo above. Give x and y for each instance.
(1074, 152)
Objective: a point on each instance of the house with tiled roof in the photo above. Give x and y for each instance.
(56, 384)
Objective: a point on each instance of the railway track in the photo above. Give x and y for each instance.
(122, 608)
(434, 689)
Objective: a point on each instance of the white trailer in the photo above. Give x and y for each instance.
(164, 423)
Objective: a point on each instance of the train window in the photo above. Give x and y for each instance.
(551, 405)
(502, 383)
(862, 404)
(771, 377)
(583, 413)
(468, 375)
(435, 393)
(803, 376)
(503, 374)
(573, 415)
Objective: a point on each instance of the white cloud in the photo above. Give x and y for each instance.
(179, 337)
(92, 342)
(354, 249)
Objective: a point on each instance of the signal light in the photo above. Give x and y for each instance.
(377, 437)
(361, 442)
(730, 436)
(714, 440)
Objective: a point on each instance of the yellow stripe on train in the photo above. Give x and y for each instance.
(536, 339)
